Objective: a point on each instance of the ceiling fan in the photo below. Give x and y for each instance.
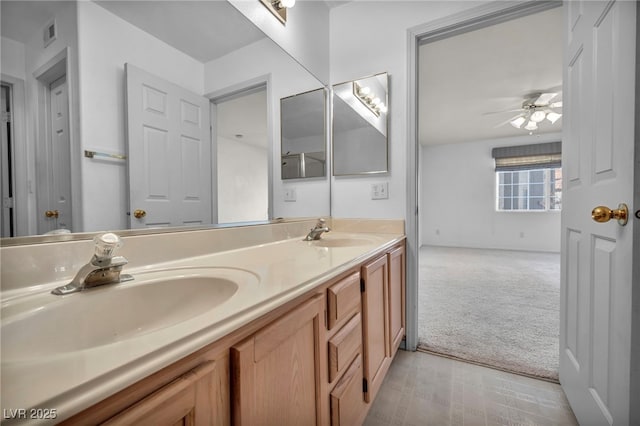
(535, 109)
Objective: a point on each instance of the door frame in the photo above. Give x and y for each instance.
(54, 68)
(262, 82)
(23, 169)
(469, 20)
(472, 19)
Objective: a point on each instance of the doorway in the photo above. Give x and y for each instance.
(242, 155)
(489, 277)
(597, 320)
(53, 148)
(7, 217)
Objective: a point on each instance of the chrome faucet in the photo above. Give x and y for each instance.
(316, 231)
(103, 268)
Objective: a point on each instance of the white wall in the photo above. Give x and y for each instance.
(367, 38)
(265, 61)
(242, 182)
(12, 58)
(106, 43)
(458, 201)
(305, 36)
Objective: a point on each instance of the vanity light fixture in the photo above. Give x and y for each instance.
(279, 8)
(369, 99)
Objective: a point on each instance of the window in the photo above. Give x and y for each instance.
(529, 177)
(537, 189)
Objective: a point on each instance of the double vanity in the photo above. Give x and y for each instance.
(251, 325)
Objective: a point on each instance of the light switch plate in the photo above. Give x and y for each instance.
(380, 191)
(290, 194)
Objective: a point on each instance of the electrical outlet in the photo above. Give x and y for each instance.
(290, 194)
(380, 191)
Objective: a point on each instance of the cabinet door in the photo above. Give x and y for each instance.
(277, 372)
(375, 325)
(396, 259)
(188, 400)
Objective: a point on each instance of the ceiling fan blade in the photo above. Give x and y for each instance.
(556, 104)
(544, 98)
(510, 120)
(502, 112)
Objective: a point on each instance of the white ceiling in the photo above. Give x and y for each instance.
(183, 24)
(244, 119)
(20, 20)
(462, 78)
(201, 20)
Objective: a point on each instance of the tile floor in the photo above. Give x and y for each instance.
(424, 389)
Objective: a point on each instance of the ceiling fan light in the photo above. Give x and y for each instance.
(518, 122)
(553, 117)
(531, 125)
(538, 116)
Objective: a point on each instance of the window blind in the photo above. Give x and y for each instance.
(528, 157)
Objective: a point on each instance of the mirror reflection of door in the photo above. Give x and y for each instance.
(6, 165)
(54, 157)
(169, 149)
(242, 156)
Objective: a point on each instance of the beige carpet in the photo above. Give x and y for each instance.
(496, 307)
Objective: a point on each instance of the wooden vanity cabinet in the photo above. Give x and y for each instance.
(344, 351)
(317, 360)
(396, 264)
(347, 406)
(192, 391)
(185, 401)
(280, 371)
(383, 312)
(375, 326)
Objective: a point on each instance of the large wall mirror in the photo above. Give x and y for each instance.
(360, 111)
(66, 59)
(303, 135)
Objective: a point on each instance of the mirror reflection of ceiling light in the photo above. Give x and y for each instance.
(279, 8)
(369, 99)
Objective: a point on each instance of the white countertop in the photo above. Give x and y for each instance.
(72, 381)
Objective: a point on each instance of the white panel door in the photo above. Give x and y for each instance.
(598, 169)
(54, 176)
(169, 152)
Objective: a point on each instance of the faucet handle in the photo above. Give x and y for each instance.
(106, 244)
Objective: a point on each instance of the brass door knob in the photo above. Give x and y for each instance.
(603, 214)
(139, 214)
(52, 213)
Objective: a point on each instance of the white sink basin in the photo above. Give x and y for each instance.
(341, 242)
(117, 312)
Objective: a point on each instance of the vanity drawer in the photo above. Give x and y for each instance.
(344, 346)
(343, 299)
(346, 399)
